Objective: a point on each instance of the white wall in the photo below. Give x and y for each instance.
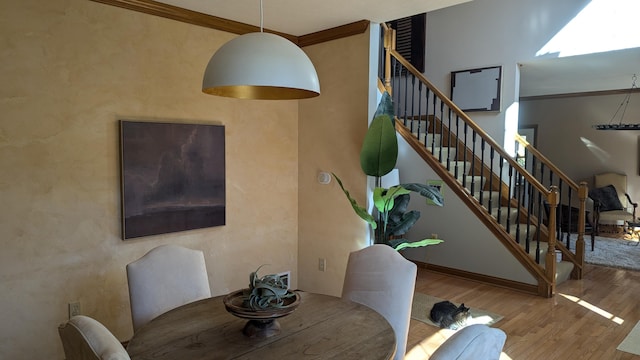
(566, 136)
(484, 33)
(468, 245)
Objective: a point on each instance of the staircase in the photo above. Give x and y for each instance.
(502, 214)
(518, 206)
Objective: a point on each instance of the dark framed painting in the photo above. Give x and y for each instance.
(477, 89)
(173, 177)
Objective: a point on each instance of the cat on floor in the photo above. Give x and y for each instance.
(449, 316)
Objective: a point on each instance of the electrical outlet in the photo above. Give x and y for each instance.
(74, 309)
(322, 264)
(285, 276)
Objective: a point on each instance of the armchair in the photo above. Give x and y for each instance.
(611, 203)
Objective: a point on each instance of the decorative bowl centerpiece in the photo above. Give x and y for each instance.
(266, 299)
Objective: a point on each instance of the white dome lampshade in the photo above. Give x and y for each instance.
(261, 66)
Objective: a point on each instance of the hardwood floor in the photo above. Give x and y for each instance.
(587, 319)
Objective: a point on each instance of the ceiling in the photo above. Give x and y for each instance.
(611, 70)
(593, 72)
(295, 18)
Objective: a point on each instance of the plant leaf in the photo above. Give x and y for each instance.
(379, 199)
(400, 207)
(379, 151)
(385, 107)
(404, 224)
(421, 243)
(384, 199)
(360, 211)
(428, 191)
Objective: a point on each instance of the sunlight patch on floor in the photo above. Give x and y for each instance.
(484, 319)
(593, 308)
(427, 346)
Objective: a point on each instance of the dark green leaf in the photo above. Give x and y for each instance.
(385, 107)
(380, 147)
(428, 191)
(404, 224)
(400, 207)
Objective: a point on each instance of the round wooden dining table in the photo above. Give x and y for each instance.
(322, 327)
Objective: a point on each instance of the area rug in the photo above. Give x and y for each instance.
(422, 304)
(618, 253)
(631, 343)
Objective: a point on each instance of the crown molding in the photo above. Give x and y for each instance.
(338, 32)
(197, 18)
(580, 94)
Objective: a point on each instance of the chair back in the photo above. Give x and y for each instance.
(619, 181)
(166, 277)
(84, 338)
(382, 279)
(472, 342)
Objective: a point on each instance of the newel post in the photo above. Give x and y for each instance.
(389, 44)
(583, 192)
(550, 259)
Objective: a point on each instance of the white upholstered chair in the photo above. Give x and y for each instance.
(84, 338)
(473, 342)
(612, 204)
(382, 279)
(166, 277)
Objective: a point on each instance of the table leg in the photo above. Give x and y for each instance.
(261, 328)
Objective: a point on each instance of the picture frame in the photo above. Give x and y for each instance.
(172, 177)
(477, 89)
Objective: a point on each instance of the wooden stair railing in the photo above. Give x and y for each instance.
(424, 114)
(569, 193)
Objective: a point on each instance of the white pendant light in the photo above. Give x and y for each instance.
(261, 66)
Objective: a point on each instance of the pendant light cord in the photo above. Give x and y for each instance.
(261, 17)
(624, 103)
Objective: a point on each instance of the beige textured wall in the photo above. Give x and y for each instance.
(70, 69)
(332, 128)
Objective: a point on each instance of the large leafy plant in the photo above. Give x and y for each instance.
(378, 157)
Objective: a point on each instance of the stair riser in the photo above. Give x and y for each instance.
(431, 139)
(477, 181)
(462, 167)
(447, 153)
(505, 213)
(487, 196)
